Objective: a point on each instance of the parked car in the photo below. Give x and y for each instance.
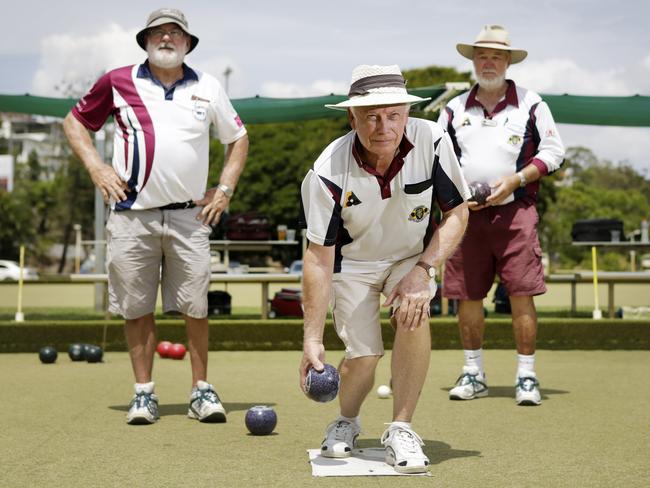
(10, 271)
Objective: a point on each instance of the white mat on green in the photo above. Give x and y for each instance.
(363, 462)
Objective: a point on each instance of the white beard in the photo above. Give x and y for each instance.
(165, 58)
(491, 84)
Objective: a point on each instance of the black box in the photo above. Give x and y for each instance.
(219, 303)
(597, 230)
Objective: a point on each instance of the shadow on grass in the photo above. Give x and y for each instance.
(436, 451)
(181, 408)
(509, 392)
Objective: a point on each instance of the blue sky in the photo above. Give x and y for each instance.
(297, 48)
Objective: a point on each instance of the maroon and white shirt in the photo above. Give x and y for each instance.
(519, 131)
(376, 220)
(161, 140)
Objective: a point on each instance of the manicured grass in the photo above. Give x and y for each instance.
(64, 424)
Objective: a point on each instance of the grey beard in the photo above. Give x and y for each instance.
(491, 84)
(164, 59)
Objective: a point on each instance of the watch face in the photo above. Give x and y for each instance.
(432, 272)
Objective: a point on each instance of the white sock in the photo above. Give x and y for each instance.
(526, 362)
(353, 420)
(144, 387)
(397, 424)
(474, 357)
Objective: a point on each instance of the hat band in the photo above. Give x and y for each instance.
(493, 42)
(363, 85)
(176, 19)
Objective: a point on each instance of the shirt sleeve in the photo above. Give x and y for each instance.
(449, 182)
(228, 124)
(321, 208)
(550, 151)
(94, 107)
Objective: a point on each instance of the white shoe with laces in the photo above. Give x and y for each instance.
(470, 384)
(527, 389)
(205, 405)
(340, 438)
(404, 449)
(143, 408)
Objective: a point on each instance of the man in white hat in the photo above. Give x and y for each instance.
(159, 224)
(368, 203)
(504, 136)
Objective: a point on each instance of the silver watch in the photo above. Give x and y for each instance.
(226, 190)
(431, 271)
(522, 179)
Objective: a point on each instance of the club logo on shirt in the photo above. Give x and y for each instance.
(514, 140)
(200, 111)
(466, 122)
(351, 199)
(419, 213)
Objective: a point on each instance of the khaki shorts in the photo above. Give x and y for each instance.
(151, 247)
(355, 306)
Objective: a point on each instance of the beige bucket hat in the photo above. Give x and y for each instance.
(165, 16)
(493, 37)
(374, 85)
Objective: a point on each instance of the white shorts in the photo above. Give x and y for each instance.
(151, 247)
(356, 302)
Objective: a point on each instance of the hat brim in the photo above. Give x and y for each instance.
(378, 99)
(516, 55)
(141, 37)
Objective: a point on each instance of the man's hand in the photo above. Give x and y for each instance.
(214, 202)
(109, 183)
(502, 189)
(313, 354)
(411, 296)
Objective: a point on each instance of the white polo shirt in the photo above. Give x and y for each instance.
(520, 131)
(374, 220)
(161, 141)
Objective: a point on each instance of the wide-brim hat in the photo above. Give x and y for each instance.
(374, 85)
(493, 37)
(165, 16)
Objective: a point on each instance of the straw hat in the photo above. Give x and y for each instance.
(165, 16)
(377, 85)
(492, 37)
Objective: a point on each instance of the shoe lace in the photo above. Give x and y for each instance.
(339, 430)
(407, 439)
(144, 400)
(527, 383)
(469, 379)
(208, 395)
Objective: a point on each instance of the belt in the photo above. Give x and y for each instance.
(178, 206)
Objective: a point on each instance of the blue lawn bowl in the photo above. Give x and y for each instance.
(322, 386)
(261, 420)
(47, 355)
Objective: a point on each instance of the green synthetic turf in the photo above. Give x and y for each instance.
(64, 424)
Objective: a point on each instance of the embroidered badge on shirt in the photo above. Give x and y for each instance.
(514, 140)
(418, 213)
(466, 122)
(351, 199)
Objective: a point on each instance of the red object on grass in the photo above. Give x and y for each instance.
(163, 348)
(177, 351)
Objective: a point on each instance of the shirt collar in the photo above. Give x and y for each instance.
(144, 71)
(510, 97)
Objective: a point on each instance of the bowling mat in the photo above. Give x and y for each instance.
(363, 462)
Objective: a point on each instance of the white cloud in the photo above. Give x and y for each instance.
(280, 89)
(79, 59)
(237, 79)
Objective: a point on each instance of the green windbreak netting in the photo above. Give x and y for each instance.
(570, 109)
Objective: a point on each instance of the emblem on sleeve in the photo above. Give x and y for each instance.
(466, 122)
(419, 213)
(351, 199)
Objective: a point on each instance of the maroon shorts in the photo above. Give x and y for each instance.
(499, 240)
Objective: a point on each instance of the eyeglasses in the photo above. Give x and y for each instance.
(160, 33)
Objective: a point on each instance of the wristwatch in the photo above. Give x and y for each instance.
(522, 179)
(431, 271)
(226, 190)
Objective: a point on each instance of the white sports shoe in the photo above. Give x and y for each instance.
(527, 389)
(205, 405)
(143, 408)
(469, 385)
(340, 438)
(403, 449)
